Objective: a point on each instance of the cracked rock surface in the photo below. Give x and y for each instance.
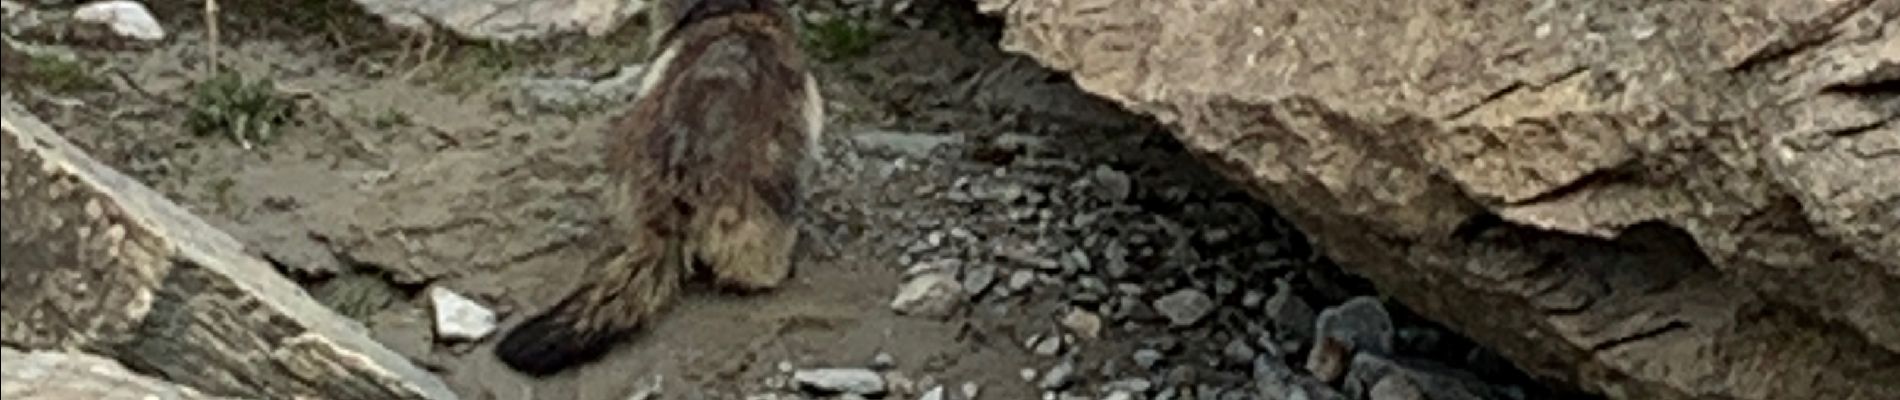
(75, 375)
(1653, 201)
(985, 230)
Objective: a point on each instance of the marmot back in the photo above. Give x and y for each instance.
(706, 171)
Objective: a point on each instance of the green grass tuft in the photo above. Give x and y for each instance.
(242, 110)
(60, 75)
(840, 38)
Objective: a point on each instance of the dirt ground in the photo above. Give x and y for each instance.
(419, 161)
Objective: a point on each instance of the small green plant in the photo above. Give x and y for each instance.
(61, 75)
(221, 192)
(319, 15)
(840, 38)
(358, 295)
(390, 118)
(617, 49)
(477, 64)
(243, 110)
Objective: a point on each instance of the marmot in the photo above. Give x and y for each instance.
(706, 171)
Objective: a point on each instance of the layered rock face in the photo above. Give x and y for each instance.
(507, 19)
(100, 267)
(73, 375)
(1652, 200)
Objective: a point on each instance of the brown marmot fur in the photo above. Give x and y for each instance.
(706, 171)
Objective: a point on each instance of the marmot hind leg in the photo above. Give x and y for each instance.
(747, 244)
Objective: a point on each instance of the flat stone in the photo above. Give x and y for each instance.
(575, 94)
(883, 361)
(1184, 307)
(1083, 323)
(978, 278)
(1395, 387)
(1147, 358)
(906, 144)
(1136, 385)
(459, 318)
(1434, 380)
(125, 18)
(1020, 279)
(1361, 323)
(1111, 185)
(1275, 380)
(928, 295)
(857, 381)
(1048, 346)
(1059, 376)
(1290, 316)
(1238, 352)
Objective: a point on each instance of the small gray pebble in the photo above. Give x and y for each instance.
(1238, 352)
(1059, 376)
(883, 361)
(1147, 358)
(1185, 307)
(1020, 279)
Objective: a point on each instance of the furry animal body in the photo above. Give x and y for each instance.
(706, 176)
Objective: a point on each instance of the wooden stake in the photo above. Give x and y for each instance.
(211, 33)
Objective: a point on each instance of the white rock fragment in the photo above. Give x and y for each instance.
(840, 380)
(935, 393)
(898, 382)
(459, 318)
(1083, 323)
(1047, 347)
(978, 278)
(125, 18)
(930, 295)
(1020, 279)
(1059, 376)
(650, 390)
(883, 361)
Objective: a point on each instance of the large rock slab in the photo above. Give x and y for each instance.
(507, 19)
(98, 262)
(72, 375)
(1654, 200)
